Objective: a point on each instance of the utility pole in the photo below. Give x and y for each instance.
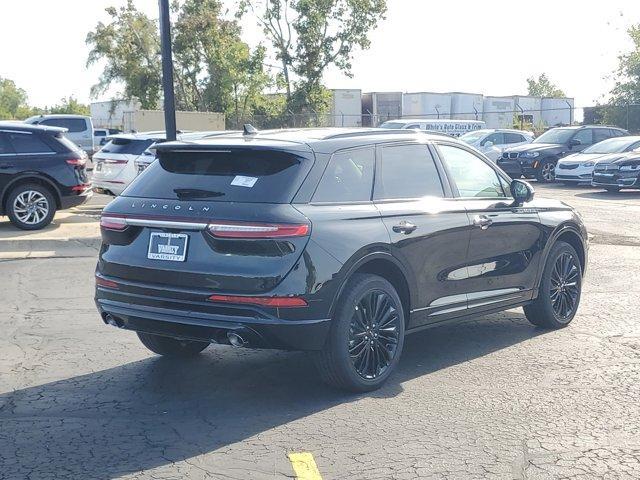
(167, 71)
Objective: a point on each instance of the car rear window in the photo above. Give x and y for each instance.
(237, 175)
(74, 125)
(127, 146)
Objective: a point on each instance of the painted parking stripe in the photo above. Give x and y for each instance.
(304, 466)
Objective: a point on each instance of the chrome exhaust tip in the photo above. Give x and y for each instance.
(236, 340)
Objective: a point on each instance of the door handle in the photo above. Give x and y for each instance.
(482, 221)
(405, 227)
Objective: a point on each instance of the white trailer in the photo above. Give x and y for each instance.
(346, 107)
(466, 106)
(529, 108)
(557, 111)
(427, 105)
(111, 114)
(378, 107)
(498, 112)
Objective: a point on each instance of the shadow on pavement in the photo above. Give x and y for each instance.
(604, 195)
(157, 411)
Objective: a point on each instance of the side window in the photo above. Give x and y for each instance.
(407, 171)
(601, 134)
(5, 146)
(28, 143)
(495, 138)
(472, 176)
(99, 133)
(72, 124)
(615, 133)
(348, 177)
(584, 136)
(414, 125)
(513, 138)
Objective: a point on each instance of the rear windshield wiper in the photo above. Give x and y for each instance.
(186, 193)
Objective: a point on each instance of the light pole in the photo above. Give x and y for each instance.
(167, 71)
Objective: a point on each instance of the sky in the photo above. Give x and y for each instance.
(487, 47)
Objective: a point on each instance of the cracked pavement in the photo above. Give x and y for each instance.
(491, 398)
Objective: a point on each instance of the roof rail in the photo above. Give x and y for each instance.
(380, 131)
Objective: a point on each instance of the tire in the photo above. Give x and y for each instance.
(171, 347)
(546, 172)
(548, 309)
(30, 206)
(354, 357)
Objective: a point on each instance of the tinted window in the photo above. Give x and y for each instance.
(601, 134)
(28, 143)
(238, 175)
(495, 138)
(72, 124)
(127, 146)
(407, 171)
(616, 133)
(514, 138)
(100, 133)
(348, 177)
(5, 146)
(414, 125)
(584, 136)
(472, 176)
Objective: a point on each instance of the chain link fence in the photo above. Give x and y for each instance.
(623, 116)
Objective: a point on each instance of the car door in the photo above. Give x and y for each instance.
(585, 138)
(8, 165)
(428, 233)
(505, 241)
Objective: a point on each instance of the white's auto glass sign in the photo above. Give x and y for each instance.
(453, 128)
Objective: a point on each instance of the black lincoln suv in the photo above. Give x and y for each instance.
(539, 159)
(335, 241)
(41, 171)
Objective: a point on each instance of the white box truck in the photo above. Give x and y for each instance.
(499, 112)
(466, 106)
(346, 107)
(557, 111)
(427, 105)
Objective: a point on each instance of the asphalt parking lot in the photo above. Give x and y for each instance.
(491, 398)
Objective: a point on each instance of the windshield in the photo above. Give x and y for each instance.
(614, 145)
(473, 137)
(392, 125)
(556, 135)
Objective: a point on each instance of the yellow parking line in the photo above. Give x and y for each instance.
(305, 466)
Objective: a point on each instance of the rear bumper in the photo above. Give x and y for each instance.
(70, 201)
(258, 331)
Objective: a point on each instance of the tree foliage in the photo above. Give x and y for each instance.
(214, 70)
(542, 87)
(308, 36)
(69, 105)
(13, 101)
(627, 86)
(129, 45)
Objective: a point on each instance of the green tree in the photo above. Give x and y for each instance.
(308, 36)
(129, 45)
(13, 101)
(542, 87)
(69, 105)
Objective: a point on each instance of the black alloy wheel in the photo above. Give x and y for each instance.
(564, 292)
(366, 337)
(373, 334)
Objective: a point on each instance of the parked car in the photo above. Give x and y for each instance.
(41, 171)
(539, 158)
(615, 172)
(578, 167)
(125, 156)
(493, 141)
(100, 136)
(335, 241)
(79, 128)
(455, 128)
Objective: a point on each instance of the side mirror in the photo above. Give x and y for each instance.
(521, 191)
(488, 143)
(574, 142)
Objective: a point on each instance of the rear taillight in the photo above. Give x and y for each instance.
(103, 282)
(111, 161)
(113, 223)
(275, 302)
(76, 162)
(257, 230)
(81, 187)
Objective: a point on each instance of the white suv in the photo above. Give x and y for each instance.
(79, 128)
(493, 141)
